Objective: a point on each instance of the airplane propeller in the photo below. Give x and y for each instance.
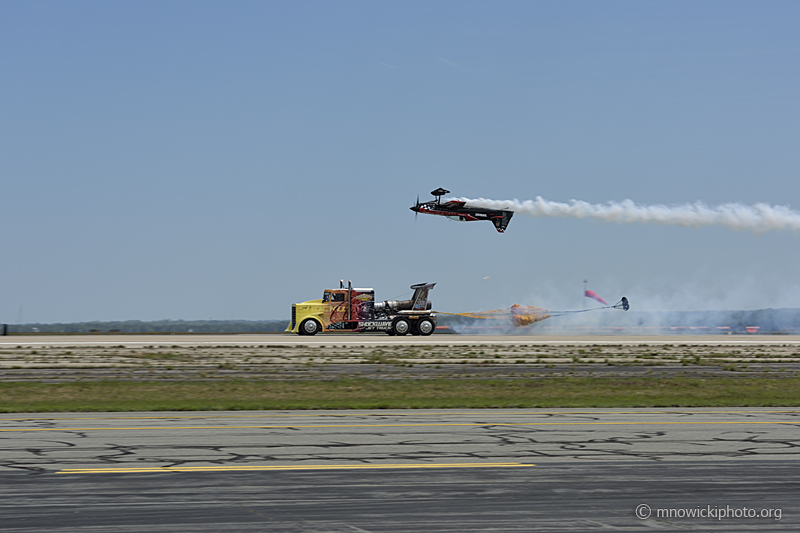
(416, 211)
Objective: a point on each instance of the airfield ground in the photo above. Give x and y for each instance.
(369, 467)
(284, 357)
(123, 373)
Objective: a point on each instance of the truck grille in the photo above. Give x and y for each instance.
(294, 316)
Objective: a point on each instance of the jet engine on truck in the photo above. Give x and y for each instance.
(355, 310)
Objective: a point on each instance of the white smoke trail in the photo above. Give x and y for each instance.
(758, 218)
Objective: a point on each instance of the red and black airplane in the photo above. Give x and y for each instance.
(458, 210)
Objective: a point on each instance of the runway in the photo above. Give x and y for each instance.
(345, 339)
(104, 442)
(421, 470)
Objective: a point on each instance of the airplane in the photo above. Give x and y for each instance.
(458, 210)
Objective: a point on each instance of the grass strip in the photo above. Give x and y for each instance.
(397, 394)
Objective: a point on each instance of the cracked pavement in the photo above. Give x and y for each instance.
(588, 469)
(42, 443)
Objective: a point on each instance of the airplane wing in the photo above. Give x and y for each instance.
(452, 204)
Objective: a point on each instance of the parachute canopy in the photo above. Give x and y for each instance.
(594, 296)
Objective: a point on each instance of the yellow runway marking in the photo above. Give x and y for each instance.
(391, 414)
(282, 467)
(443, 424)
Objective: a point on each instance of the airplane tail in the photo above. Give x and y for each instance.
(501, 223)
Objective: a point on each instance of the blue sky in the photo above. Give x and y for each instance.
(194, 160)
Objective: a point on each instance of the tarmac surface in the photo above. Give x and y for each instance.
(420, 470)
(379, 339)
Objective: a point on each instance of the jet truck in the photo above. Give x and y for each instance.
(355, 310)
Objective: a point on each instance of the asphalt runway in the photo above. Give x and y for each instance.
(344, 339)
(420, 470)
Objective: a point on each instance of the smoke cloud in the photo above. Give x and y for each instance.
(758, 218)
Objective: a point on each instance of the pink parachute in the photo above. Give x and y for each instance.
(594, 296)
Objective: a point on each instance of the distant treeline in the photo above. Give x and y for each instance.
(158, 326)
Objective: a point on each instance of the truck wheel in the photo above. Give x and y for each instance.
(309, 326)
(425, 326)
(401, 326)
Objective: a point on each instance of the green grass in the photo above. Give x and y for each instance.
(398, 394)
